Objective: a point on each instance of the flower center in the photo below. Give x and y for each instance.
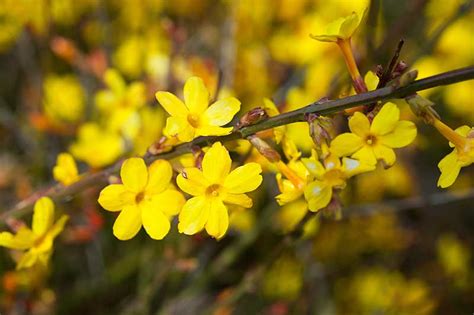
(193, 120)
(371, 140)
(334, 177)
(139, 197)
(39, 240)
(213, 190)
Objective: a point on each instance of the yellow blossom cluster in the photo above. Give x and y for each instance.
(197, 192)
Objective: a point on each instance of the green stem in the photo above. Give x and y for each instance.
(58, 192)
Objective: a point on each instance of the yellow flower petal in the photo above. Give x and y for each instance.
(208, 130)
(318, 195)
(159, 176)
(449, 167)
(170, 202)
(384, 153)
(173, 105)
(43, 215)
(244, 178)
(463, 130)
(288, 191)
(216, 163)
(27, 260)
(315, 167)
(291, 214)
(194, 215)
(44, 245)
(402, 135)
(353, 167)
(196, 95)
(58, 227)
(239, 199)
(342, 28)
(23, 239)
(65, 170)
(97, 146)
(359, 124)
(43, 258)
(222, 111)
(134, 174)
(218, 221)
(365, 155)
(349, 25)
(128, 223)
(155, 222)
(386, 120)
(179, 127)
(192, 181)
(115, 197)
(114, 81)
(371, 80)
(346, 144)
(332, 32)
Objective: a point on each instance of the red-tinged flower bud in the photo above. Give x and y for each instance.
(252, 117)
(320, 129)
(404, 79)
(97, 62)
(198, 156)
(265, 149)
(400, 67)
(64, 48)
(379, 71)
(164, 144)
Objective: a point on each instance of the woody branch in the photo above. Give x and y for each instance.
(59, 191)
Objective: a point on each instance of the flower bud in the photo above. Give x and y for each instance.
(265, 149)
(422, 107)
(255, 115)
(320, 128)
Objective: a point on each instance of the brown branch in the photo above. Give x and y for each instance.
(58, 192)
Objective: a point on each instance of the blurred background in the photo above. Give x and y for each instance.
(80, 76)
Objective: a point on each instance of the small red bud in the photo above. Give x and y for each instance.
(253, 116)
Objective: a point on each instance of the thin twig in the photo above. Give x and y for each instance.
(58, 192)
(387, 74)
(418, 202)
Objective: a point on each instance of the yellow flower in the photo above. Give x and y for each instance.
(119, 103)
(290, 214)
(213, 186)
(65, 170)
(151, 125)
(340, 32)
(241, 220)
(341, 29)
(118, 94)
(38, 241)
(454, 257)
(292, 188)
(374, 141)
(63, 99)
(462, 139)
(97, 147)
(283, 280)
(195, 117)
(377, 290)
(331, 175)
(146, 198)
